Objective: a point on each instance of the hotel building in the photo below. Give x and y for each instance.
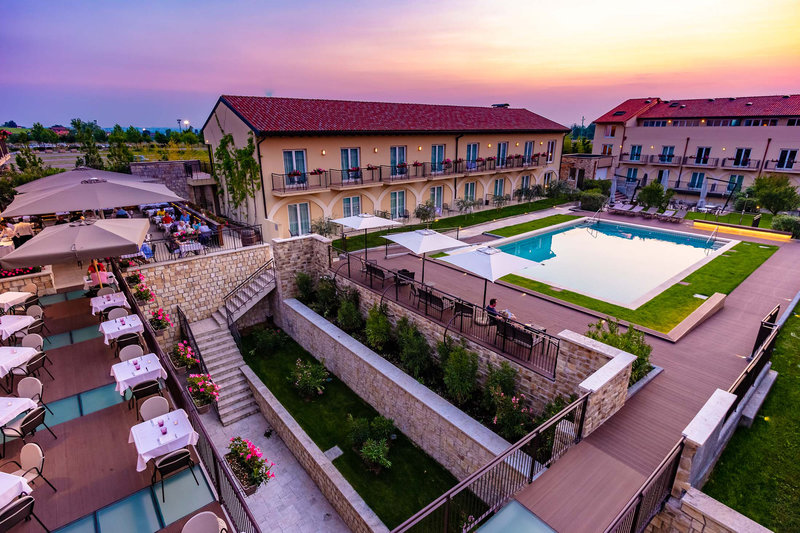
(702, 148)
(333, 158)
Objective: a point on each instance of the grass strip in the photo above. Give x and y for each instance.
(732, 218)
(516, 229)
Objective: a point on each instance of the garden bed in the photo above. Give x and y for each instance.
(413, 480)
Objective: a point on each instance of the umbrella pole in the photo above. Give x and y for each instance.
(97, 271)
(423, 268)
(485, 283)
(365, 246)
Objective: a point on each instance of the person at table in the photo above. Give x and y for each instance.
(185, 217)
(147, 252)
(160, 212)
(196, 225)
(8, 231)
(23, 232)
(167, 219)
(92, 269)
(121, 213)
(492, 307)
(61, 220)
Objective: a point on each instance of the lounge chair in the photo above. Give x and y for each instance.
(665, 216)
(679, 216)
(624, 208)
(650, 213)
(636, 210)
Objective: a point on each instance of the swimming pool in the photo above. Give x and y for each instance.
(620, 263)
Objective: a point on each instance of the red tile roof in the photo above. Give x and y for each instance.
(271, 115)
(741, 106)
(627, 109)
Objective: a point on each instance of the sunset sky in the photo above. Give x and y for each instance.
(148, 63)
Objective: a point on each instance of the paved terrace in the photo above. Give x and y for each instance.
(587, 487)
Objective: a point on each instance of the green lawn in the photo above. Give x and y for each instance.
(665, 311)
(413, 481)
(356, 241)
(733, 218)
(525, 227)
(759, 470)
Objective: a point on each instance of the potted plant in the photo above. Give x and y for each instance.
(402, 165)
(294, 174)
(183, 357)
(134, 279)
(203, 390)
(143, 294)
(160, 321)
(248, 464)
(417, 164)
(490, 158)
(447, 163)
(317, 172)
(371, 167)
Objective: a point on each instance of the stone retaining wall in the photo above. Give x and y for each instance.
(458, 442)
(171, 173)
(351, 507)
(43, 280)
(697, 512)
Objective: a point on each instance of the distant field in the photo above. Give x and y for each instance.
(15, 130)
(67, 159)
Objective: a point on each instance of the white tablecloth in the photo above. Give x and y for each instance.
(11, 487)
(9, 324)
(7, 299)
(6, 247)
(150, 443)
(11, 408)
(11, 357)
(115, 328)
(190, 246)
(101, 303)
(127, 376)
(106, 277)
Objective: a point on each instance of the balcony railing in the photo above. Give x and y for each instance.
(744, 164)
(224, 238)
(665, 159)
(633, 159)
(706, 162)
(348, 178)
(686, 185)
(787, 166)
(299, 181)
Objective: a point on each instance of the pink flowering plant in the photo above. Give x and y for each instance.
(134, 278)
(513, 419)
(248, 462)
(309, 378)
(143, 293)
(160, 319)
(183, 355)
(19, 271)
(203, 390)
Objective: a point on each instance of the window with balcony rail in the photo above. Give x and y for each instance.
(786, 159)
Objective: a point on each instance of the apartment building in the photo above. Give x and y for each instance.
(701, 148)
(333, 158)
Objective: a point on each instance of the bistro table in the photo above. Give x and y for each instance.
(151, 443)
(11, 487)
(10, 324)
(101, 303)
(11, 356)
(12, 298)
(112, 329)
(189, 246)
(11, 408)
(128, 377)
(106, 278)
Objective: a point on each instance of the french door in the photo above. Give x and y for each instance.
(294, 166)
(502, 154)
(437, 157)
(472, 156)
(469, 191)
(397, 155)
(350, 160)
(351, 206)
(397, 203)
(299, 219)
(437, 197)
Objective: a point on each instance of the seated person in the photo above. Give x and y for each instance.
(186, 217)
(196, 225)
(121, 213)
(166, 219)
(61, 220)
(492, 307)
(100, 268)
(147, 252)
(8, 231)
(75, 217)
(160, 212)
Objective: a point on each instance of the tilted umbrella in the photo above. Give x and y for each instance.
(92, 193)
(75, 176)
(366, 222)
(80, 241)
(423, 241)
(489, 263)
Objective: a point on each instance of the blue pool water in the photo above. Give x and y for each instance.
(618, 263)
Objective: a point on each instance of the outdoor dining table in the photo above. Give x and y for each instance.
(11, 356)
(150, 442)
(11, 487)
(101, 303)
(11, 408)
(12, 298)
(10, 324)
(106, 278)
(128, 376)
(111, 329)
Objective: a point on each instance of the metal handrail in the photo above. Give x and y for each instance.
(231, 323)
(266, 266)
(713, 235)
(187, 332)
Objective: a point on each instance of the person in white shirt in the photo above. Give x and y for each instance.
(23, 232)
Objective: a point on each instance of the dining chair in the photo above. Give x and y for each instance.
(30, 465)
(143, 390)
(205, 522)
(104, 291)
(31, 387)
(117, 312)
(172, 463)
(22, 427)
(153, 407)
(132, 351)
(127, 339)
(18, 511)
(33, 340)
(35, 311)
(31, 368)
(35, 327)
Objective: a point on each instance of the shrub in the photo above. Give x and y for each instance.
(557, 189)
(592, 200)
(381, 428)
(604, 186)
(654, 195)
(349, 317)
(378, 329)
(375, 452)
(745, 202)
(425, 212)
(443, 349)
(504, 377)
(512, 420)
(415, 354)
(632, 341)
(309, 378)
(787, 223)
(461, 374)
(358, 431)
(305, 287)
(267, 340)
(553, 408)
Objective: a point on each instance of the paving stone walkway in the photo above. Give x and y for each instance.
(289, 503)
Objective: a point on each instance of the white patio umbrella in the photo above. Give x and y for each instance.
(366, 222)
(75, 176)
(423, 241)
(488, 263)
(92, 193)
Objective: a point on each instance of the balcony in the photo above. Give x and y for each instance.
(343, 179)
(685, 186)
(665, 159)
(742, 164)
(405, 172)
(700, 162)
(633, 159)
(299, 182)
(790, 166)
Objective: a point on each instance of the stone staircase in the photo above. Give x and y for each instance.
(620, 198)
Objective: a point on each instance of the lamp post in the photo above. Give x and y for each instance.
(179, 125)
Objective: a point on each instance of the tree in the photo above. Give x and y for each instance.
(775, 193)
(425, 212)
(10, 124)
(28, 162)
(85, 135)
(37, 132)
(238, 169)
(133, 135)
(160, 138)
(654, 195)
(189, 138)
(119, 155)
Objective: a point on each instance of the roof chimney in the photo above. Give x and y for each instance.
(500, 106)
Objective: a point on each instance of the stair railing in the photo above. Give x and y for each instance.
(186, 331)
(254, 279)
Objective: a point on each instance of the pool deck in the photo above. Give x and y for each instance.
(590, 484)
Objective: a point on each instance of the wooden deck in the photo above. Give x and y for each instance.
(585, 489)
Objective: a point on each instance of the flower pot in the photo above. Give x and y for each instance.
(141, 303)
(160, 332)
(202, 409)
(248, 488)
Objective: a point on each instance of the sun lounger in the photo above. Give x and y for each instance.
(636, 210)
(624, 208)
(665, 216)
(678, 217)
(650, 213)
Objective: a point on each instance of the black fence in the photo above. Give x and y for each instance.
(255, 282)
(186, 331)
(467, 505)
(222, 239)
(525, 344)
(229, 494)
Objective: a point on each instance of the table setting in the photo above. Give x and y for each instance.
(112, 329)
(11, 487)
(11, 408)
(11, 298)
(96, 278)
(130, 373)
(161, 435)
(10, 324)
(101, 303)
(12, 356)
